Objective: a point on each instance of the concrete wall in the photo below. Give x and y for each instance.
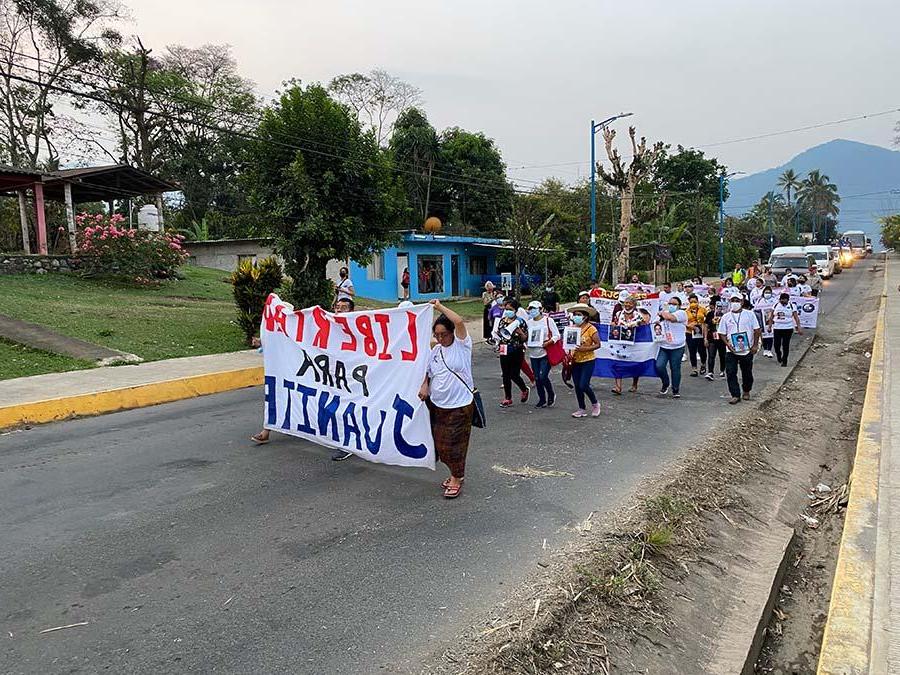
(224, 254)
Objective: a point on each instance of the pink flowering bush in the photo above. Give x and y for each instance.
(106, 245)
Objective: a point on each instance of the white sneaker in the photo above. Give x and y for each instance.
(683, 358)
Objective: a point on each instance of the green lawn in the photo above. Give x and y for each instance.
(19, 361)
(179, 318)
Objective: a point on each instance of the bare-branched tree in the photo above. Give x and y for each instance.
(625, 180)
(378, 99)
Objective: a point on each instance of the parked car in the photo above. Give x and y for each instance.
(824, 259)
(798, 263)
(836, 257)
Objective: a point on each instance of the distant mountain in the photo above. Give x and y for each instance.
(858, 169)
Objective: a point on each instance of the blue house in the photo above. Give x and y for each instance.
(440, 267)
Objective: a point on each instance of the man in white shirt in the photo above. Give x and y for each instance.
(741, 332)
(664, 294)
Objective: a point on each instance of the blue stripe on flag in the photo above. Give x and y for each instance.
(637, 360)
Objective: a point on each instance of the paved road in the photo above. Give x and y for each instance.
(187, 549)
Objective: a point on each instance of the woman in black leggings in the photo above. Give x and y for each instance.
(511, 337)
(714, 344)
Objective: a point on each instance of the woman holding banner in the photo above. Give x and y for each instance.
(449, 391)
(628, 317)
(674, 323)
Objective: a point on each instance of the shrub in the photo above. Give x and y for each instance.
(106, 246)
(677, 274)
(251, 284)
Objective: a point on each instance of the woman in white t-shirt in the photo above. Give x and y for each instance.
(785, 318)
(673, 321)
(449, 391)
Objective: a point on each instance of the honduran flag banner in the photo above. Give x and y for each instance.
(349, 381)
(626, 359)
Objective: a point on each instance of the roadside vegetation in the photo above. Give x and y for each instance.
(185, 317)
(20, 361)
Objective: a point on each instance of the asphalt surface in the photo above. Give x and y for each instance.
(186, 548)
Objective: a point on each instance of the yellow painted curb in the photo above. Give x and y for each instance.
(848, 629)
(126, 398)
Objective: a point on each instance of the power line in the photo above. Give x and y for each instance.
(806, 128)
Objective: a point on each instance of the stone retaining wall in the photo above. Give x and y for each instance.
(19, 263)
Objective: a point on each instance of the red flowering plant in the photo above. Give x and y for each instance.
(107, 245)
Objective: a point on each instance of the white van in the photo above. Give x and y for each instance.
(824, 259)
(786, 250)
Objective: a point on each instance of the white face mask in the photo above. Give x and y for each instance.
(735, 307)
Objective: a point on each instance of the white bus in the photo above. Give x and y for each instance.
(857, 239)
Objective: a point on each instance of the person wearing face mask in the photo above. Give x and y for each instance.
(696, 317)
(764, 303)
(793, 287)
(674, 322)
(785, 319)
(814, 281)
(583, 357)
(343, 290)
(803, 287)
(510, 335)
(539, 323)
(741, 332)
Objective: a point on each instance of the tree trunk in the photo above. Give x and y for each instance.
(622, 252)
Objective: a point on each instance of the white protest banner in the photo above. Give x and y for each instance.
(809, 311)
(763, 310)
(605, 303)
(636, 288)
(349, 381)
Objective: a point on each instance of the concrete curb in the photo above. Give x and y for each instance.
(126, 398)
(846, 645)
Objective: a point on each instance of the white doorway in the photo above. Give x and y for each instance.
(403, 266)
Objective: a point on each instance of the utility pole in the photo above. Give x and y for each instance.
(771, 235)
(722, 178)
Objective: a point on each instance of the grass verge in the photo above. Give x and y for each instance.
(20, 361)
(178, 318)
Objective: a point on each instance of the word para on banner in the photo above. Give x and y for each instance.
(349, 381)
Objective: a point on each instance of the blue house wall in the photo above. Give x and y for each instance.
(428, 250)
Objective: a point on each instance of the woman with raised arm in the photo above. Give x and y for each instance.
(449, 391)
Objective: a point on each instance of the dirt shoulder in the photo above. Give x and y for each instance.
(666, 583)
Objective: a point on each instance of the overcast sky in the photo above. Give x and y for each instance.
(531, 74)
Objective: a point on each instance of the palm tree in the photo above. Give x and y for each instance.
(788, 181)
(819, 195)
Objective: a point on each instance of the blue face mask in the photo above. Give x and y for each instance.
(578, 319)
(533, 312)
(508, 314)
(673, 308)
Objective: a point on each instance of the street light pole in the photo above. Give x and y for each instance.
(771, 236)
(594, 129)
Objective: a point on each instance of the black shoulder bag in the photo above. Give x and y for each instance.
(478, 418)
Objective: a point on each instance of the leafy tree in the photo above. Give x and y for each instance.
(890, 231)
(324, 206)
(415, 149)
(789, 180)
(527, 234)
(472, 173)
(47, 43)
(688, 171)
(819, 196)
(378, 99)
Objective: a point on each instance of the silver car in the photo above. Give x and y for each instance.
(798, 263)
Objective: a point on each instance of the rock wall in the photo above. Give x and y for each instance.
(37, 264)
